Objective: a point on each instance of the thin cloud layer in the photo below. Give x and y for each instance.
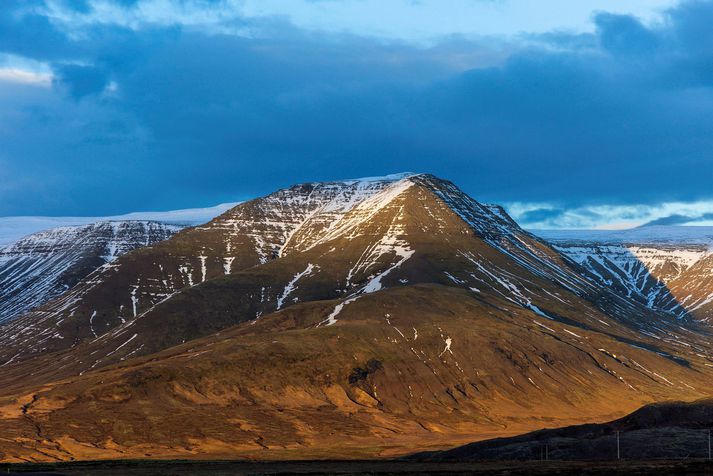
(547, 216)
(167, 115)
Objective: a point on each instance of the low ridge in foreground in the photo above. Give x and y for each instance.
(351, 319)
(661, 431)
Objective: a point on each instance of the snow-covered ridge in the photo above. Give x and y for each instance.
(369, 201)
(43, 265)
(654, 265)
(14, 228)
(251, 233)
(297, 217)
(384, 178)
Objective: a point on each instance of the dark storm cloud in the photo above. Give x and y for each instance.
(81, 80)
(540, 215)
(172, 117)
(680, 219)
(624, 35)
(27, 33)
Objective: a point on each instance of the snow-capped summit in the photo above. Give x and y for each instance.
(324, 240)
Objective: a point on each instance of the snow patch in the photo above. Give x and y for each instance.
(448, 342)
(291, 285)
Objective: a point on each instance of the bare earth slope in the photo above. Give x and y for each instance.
(360, 318)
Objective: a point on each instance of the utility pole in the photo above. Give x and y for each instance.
(618, 451)
(547, 452)
(709, 445)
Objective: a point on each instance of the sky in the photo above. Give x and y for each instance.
(572, 114)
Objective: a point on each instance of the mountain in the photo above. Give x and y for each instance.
(42, 257)
(250, 234)
(667, 268)
(44, 265)
(670, 430)
(355, 318)
(14, 228)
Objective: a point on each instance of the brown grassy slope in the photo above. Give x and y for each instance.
(379, 382)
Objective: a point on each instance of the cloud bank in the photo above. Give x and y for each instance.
(133, 110)
(548, 216)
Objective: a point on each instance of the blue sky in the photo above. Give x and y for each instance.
(573, 114)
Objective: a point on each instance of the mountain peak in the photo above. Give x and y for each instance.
(383, 178)
(330, 240)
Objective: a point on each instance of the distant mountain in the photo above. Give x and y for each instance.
(684, 235)
(667, 268)
(344, 319)
(677, 219)
(14, 228)
(44, 265)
